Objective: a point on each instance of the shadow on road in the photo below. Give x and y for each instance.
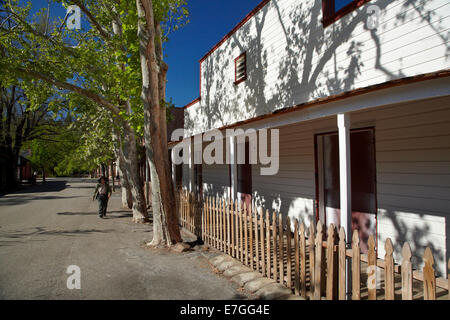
(109, 214)
(16, 236)
(49, 186)
(21, 199)
(76, 213)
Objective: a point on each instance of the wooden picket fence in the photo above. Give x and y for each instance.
(312, 263)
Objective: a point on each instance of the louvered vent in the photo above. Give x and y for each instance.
(240, 68)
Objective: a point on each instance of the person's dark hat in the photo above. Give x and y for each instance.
(102, 177)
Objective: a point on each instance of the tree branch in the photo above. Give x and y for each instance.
(68, 86)
(91, 18)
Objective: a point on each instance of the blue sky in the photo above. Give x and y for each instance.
(210, 20)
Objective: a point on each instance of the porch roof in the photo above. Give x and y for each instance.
(337, 97)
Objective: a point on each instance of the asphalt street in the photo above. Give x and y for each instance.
(46, 228)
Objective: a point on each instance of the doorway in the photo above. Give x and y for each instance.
(363, 182)
(244, 180)
(198, 181)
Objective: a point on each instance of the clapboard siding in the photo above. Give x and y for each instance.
(412, 142)
(186, 176)
(216, 180)
(291, 191)
(292, 59)
(413, 174)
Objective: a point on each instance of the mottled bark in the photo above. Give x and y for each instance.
(165, 222)
(131, 165)
(140, 214)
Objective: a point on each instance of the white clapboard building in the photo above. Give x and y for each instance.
(360, 94)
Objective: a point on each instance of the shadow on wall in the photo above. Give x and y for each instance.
(418, 236)
(301, 75)
(215, 190)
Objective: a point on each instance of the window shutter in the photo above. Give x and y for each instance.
(240, 64)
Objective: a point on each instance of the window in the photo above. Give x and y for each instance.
(240, 68)
(333, 10)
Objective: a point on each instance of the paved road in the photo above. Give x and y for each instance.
(47, 227)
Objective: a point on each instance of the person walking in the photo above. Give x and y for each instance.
(102, 193)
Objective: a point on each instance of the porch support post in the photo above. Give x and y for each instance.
(174, 168)
(147, 170)
(343, 120)
(191, 166)
(197, 159)
(233, 167)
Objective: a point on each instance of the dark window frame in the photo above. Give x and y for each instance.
(330, 16)
(237, 81)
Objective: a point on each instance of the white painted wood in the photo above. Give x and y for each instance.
(216, 181)
(174, 172)
(191, 167)
(292, 59)
(233, 167)
(320, 178)
(343, 121)
(413, 185)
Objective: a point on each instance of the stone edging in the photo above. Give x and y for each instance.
(264, 288)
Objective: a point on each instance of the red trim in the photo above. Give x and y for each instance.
(200, 82)
(316, 165)
(316, 179)
(330, 16)
(245, 69)
(376, 190)
(240, 24)
(191, 103)
(341, 96)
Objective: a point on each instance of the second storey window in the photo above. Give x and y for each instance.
(240, 68)
(333, 10)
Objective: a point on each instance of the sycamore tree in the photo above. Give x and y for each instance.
(117, 64)
(153, 24)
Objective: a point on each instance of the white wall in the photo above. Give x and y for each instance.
(291, 58)
(413, 174)
(216, 181)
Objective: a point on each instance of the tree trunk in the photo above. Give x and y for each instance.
(127, 200)
(132, 169)
(104, 170)
(112, 176)
(165, 222)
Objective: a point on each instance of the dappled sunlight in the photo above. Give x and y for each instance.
(292, 59)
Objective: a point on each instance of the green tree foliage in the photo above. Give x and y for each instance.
(97, 70)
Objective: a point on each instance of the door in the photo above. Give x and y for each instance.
(198, 181)
(244, 180)
(363, 180)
